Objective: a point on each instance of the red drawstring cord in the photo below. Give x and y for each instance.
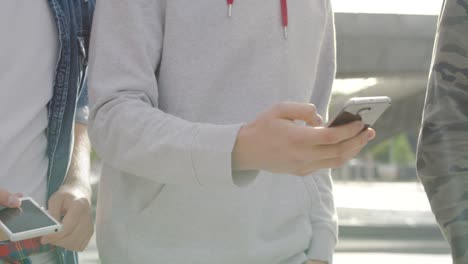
(284, 14)
(230, 3)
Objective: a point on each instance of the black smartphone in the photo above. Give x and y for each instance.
(366, 109)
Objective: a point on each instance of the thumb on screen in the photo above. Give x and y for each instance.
(8, 199)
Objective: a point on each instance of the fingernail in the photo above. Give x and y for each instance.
(13, 201)
(319, 120)
(370, 135)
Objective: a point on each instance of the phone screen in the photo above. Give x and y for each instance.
(25, 218)
(344, 118)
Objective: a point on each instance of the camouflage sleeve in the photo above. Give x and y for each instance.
(443, 142)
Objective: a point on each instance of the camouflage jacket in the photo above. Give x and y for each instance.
(443, 142)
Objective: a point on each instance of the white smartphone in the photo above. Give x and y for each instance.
(366, 109)
(27, 221)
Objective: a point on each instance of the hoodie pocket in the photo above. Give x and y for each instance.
(285, 207)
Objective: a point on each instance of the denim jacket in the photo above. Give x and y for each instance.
(70, 98)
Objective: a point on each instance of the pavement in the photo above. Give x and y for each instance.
(379, 223)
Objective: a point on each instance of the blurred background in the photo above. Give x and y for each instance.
(383, 48)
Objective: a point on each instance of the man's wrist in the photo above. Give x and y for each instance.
(241, 160)
(79, 187)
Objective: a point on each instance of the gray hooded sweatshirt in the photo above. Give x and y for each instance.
(171, 83)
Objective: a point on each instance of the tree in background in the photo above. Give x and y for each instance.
(396, 150)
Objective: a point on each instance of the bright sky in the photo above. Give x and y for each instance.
(419, 7)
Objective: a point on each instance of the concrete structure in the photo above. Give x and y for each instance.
(396, 50)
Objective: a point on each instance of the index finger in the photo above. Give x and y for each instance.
(334, 135)
(297, 111)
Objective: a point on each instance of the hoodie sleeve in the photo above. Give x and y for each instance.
(323, 213)
(442, 160)
(126, 126)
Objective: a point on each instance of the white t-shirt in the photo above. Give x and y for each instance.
(28, 57)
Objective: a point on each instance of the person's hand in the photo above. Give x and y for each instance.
(316, 262)
(10, 200)
(74, 205)
(275, 143)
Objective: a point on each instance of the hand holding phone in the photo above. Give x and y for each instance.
(27, 221)
(274, 142)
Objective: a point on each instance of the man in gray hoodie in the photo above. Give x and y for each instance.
(193, 112)
(443, 145)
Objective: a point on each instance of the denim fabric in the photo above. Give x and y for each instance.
(70, 98)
